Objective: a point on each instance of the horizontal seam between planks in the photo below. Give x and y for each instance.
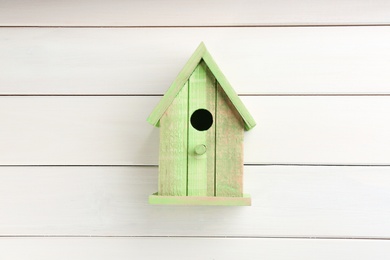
(155, 165)
(241, 95)
(196, 26)
(81, 95)
(202, 237)
(78, 165)
(317, 165)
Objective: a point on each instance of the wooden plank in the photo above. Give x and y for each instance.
(191, 13)
(318, 60)
(173, 147)
(229, 148)
(113, 130)
(113, 201)
(55, 130)
(200, 200)
(201, 163)
(191, 248)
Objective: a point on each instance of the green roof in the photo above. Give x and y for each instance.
(200, 53)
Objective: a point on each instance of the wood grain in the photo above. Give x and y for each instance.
(113, 201)
(229, 151)
(201, 168)
(173, 151)
(191, 248)
(191, 13)
(325, 60)
(114, 131)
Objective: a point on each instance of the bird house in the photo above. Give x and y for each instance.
(202, 123)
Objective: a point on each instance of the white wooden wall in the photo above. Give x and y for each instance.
(78, 160)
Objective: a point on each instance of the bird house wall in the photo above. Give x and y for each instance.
(78, 159)
(217, 172)
(201, 168)
(229, 148)
(173, 152)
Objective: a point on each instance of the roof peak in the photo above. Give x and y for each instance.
(201, 53)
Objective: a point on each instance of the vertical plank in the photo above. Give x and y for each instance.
(201, 168)
(173, 147)
(229, 147)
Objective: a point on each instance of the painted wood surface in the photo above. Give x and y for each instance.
(200, 200)
(229, 150)
(192, 13)
(113, 130)
(201, 167)
(191, 248)
(200, 55)
(314, 60)
(200, 110)
(173, 147)
(126, 58)
(345, 202)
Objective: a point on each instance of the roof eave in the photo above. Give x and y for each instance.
(249, 122)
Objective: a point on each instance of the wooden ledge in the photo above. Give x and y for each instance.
(193, 200)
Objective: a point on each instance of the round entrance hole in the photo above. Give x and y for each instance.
(201, 119)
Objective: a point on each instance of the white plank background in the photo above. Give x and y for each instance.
(192, 13)
(319, 60)
(113, 130)
(77, 158)
(191, 248)
(288, 201)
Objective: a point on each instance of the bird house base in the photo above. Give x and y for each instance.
(194, 200)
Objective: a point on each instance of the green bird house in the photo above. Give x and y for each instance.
(202, 123)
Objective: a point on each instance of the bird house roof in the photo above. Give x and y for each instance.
(200, 53)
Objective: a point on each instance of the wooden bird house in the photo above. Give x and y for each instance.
(202, 123)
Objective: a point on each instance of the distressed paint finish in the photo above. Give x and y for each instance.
(229, 148)
(201, 168)
(201, 148)
(173, 147)
(244, 200)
